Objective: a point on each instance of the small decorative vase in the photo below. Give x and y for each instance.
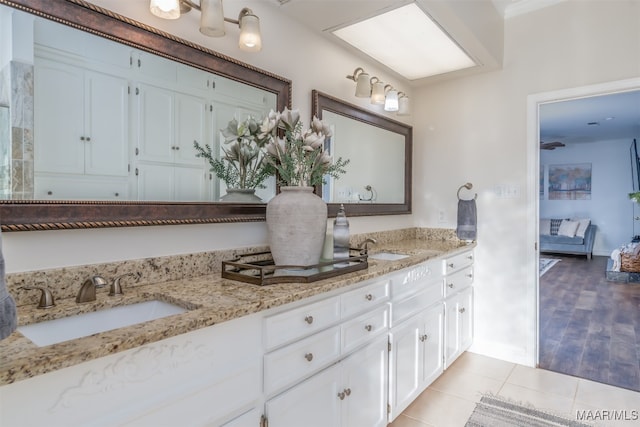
(297, 225)
(242, 195)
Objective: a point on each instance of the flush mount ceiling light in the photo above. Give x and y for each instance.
(408, 41)
(212, 20)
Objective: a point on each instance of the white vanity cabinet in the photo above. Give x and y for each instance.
(458, 305)
(326, 362)
(208, 377)
(416, 334)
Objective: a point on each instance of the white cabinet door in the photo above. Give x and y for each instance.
(190, 126)
(458, 324)
(156, 125)
(466, 318)
(312, 403)
(433, 341)
(155, 182)
(106, 125)
(189, 184)
(58, 144)
(365, 386)
(405, 364)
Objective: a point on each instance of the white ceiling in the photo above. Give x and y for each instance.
(612, 117)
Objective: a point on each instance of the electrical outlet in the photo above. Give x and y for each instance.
(441, 217)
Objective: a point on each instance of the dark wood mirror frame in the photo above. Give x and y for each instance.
(321, 102)
(27, 215)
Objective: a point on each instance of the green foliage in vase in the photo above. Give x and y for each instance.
(635, 196)
(243, 164)
(299, 156)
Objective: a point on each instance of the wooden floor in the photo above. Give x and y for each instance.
(589, 328)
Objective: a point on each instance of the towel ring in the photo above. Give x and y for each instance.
(468, 186)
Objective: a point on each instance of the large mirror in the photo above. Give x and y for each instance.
(378, 178)
(38, 213)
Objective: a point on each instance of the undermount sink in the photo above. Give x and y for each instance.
(388, 256)
(82, 325)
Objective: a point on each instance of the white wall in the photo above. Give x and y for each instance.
(609, 207)
(289, 50)
(475, 129)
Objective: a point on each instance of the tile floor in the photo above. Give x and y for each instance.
(449, 401)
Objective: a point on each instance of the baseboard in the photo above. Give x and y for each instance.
(508, 353)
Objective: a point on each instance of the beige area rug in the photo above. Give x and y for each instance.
(493, 411)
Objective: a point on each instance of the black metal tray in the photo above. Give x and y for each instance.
(259, 269)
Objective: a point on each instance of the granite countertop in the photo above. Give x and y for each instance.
(210, 300)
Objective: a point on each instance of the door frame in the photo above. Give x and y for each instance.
(534, 101)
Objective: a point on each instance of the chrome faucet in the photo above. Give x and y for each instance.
(46, 297)
(87, 291)
(116, 287)
(364, 246)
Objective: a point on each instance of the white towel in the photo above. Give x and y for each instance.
(615, 256)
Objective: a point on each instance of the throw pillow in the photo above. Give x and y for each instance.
(545, 226)
(555, 225)
(582, 227)
(568, 228)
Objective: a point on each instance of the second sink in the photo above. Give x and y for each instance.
(82, 325)
(388, 256)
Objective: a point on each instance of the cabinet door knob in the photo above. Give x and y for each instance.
(117, 194)
(82, 138)
(309, 319)
(88, 138)
(368, 328)
(470, 276)
(462, 310)
(341, 395)
(368, 297)
(49, 193)
(309, 357)
(177, 147)
(451, 265)
(424, 337)
(470, 257)
(450, 285)
(347, 391)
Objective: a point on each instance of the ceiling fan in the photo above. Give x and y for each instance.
(550, 145)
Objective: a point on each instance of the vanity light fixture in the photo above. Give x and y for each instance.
(212, 20)
(380, 94)
(390, 99)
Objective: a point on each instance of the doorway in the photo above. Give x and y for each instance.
(536, 184)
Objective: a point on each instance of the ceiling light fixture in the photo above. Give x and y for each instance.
(212, 20)
(379, 92)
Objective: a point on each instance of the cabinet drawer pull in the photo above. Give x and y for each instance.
(451, 265)
(450, 285)
(462, 310)
(368, 297)
(368, 328)
(470, 257)
(309, 319)
(341, 395)
(309, 357)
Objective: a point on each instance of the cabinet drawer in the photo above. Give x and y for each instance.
(290, 364)
(302, 321)
(82, 187)
(363, 328)
(412, 279)
(364, 298)
(414, 303)
(457, 262)
(458, 281)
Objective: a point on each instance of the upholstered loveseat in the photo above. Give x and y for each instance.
(567, 236)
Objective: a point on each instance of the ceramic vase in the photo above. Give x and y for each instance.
(296, 224)
(241, 195)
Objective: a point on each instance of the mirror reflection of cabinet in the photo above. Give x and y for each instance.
(120, 125)
(83, 136)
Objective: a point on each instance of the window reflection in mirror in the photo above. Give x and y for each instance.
(115, 123)
(5, 158)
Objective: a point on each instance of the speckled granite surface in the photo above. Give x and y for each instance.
(192, 281)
